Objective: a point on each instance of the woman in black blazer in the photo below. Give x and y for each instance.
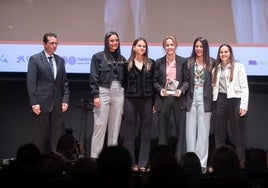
(199, 100)
(171, 69)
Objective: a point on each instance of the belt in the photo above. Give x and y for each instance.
(198, 86)
(105, 85)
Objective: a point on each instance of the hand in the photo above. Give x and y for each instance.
(64, 107)
(97, 102)
(242, 112)
(178, 93)
(36, 109)
(163, 93)
(154, 109)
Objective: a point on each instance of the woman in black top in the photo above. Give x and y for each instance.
(106, 77)
(139, 95)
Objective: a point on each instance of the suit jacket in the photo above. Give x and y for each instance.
(42, 88)
(207, 89)
(182, 75)
(238, 88)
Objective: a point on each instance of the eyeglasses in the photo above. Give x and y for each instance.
(53, 43)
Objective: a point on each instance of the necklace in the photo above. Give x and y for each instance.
(198, 73)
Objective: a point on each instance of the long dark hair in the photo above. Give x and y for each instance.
(218, 61)
(206, 55)
(107, 47)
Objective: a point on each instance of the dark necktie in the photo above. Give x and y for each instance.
(51, 65)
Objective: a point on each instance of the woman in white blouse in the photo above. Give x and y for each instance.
(230, 96)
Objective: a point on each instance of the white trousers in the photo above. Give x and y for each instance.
(197, 128)
(108, 116)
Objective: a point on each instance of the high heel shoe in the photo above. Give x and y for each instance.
(144, 169)
(135, 168)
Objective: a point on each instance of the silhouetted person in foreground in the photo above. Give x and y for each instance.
(26, 166)
(114, 163)
(190, 161)
(84, 171)
(226, 170)
(28, 155)
(225, 161)
(256, 158)
(165, 171)
(255, 169)
(66, 147)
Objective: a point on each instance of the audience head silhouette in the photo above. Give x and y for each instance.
(165, 170)
(28, 155)
(84, 171)
(225, 161)
(66, 146)
(256, 158)
(190, 161)
(114, 160)
(84, 168)
(114, 164)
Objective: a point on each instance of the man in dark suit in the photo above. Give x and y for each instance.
(49, 93)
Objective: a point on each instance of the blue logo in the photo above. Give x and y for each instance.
(3, 59)
(20, 59)
(72, 60)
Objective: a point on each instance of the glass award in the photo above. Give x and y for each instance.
(171, 87)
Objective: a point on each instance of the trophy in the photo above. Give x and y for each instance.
(171, 87)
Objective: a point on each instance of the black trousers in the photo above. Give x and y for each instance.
(227, 114)
(138, 109)
(173, 105)
(47, 130)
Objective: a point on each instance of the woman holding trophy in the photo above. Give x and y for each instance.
(171, 81)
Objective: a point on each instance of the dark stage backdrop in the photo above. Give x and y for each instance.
(16, 125)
